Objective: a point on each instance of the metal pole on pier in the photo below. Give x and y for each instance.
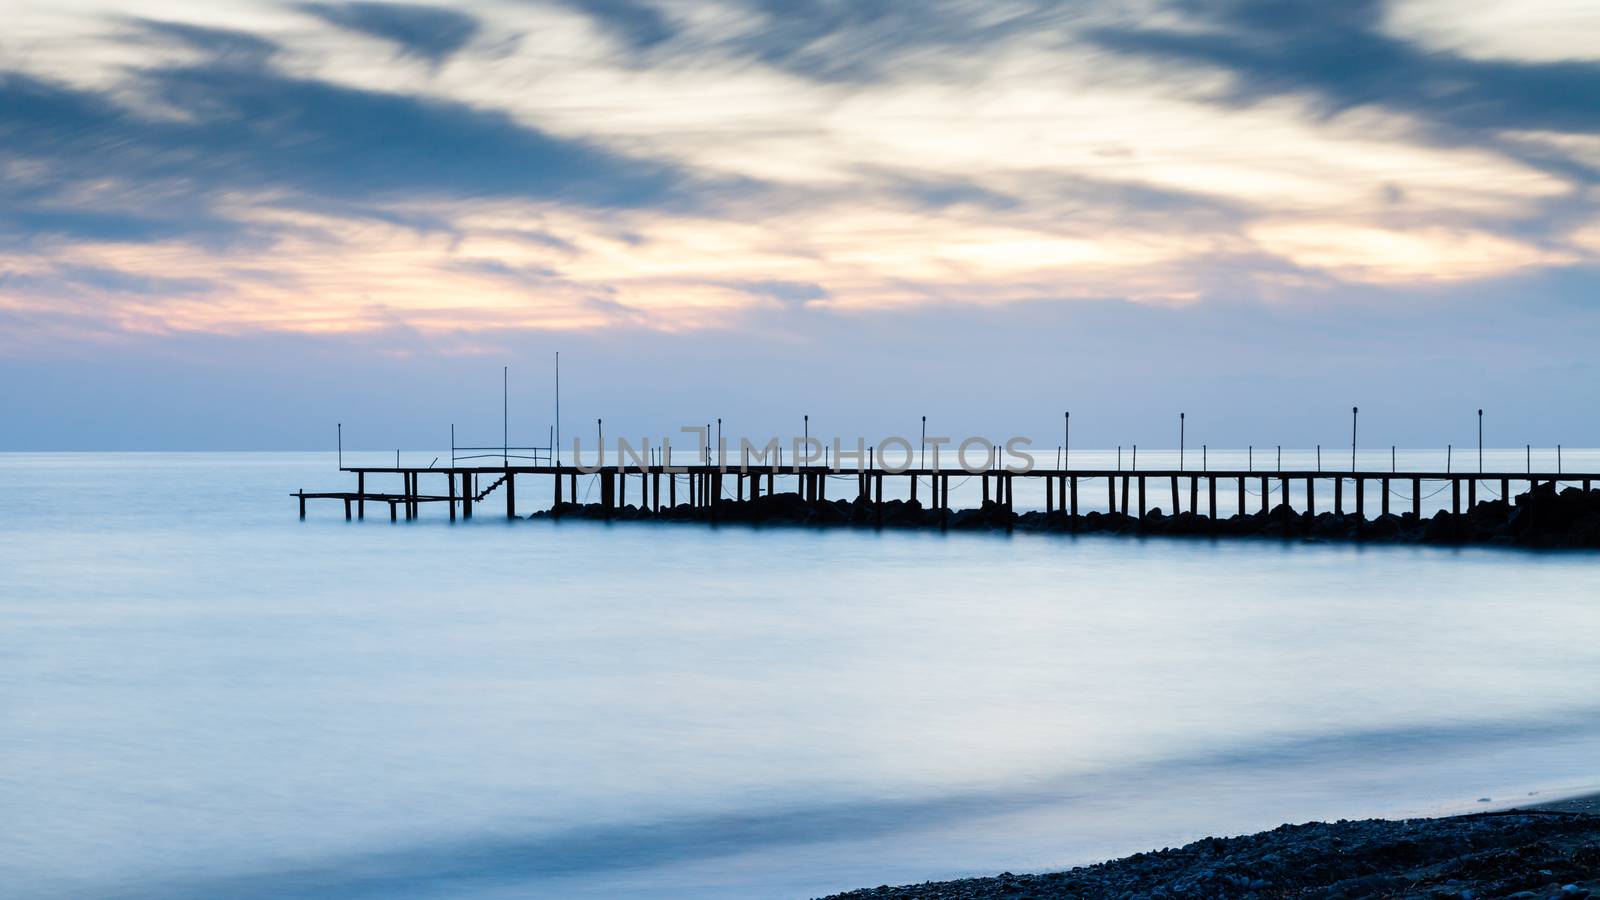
(1067, 438)
(1354, 412)
(505, 414)
(1180, 443)
(558, 409)
(1480, 442)
(341, 445)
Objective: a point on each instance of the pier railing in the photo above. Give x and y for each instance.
(533, 455)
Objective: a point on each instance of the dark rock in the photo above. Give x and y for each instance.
(1483, 855)
(1542, 518)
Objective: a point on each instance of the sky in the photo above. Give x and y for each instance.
(231, 225)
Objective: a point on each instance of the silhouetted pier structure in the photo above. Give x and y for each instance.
(756, 485)
(1133, 493)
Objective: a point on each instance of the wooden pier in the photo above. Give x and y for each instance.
(1133, 493)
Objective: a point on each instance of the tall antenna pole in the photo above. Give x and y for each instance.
(922, 451)
(1480, 442)
(558, 408)
(505, 415)
(1354, 411)
(341, 445)
(719, 442)
(1067, 438)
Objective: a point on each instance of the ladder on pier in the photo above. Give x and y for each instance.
(478, 497)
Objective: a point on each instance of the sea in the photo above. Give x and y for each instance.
(203, 696)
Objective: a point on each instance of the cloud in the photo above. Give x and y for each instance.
(788, 293)
(160, 158)
(221, 44)
(32, 225)
(277, 131)
(636, 23)
(530, 275)
(865, 41)
(684, 162)
(433, 33)
(117, 281)
(1339, 56)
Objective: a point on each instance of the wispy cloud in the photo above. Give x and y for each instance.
(564, 164)
(431, 32)
(1341, 57)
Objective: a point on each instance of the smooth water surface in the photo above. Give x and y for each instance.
(204, 697)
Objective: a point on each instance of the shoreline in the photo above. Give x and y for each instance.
(1546, 850)
(1582, 803)
(1538, 519)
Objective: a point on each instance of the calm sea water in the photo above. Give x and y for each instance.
(201, 696)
